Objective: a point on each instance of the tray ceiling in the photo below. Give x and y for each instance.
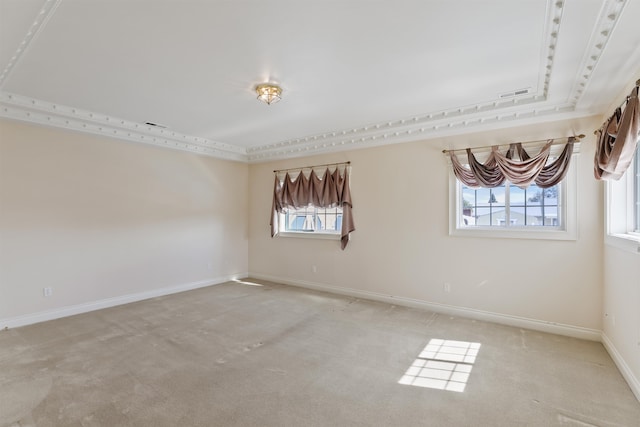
(353, 73)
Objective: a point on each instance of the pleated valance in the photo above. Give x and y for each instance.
(618, 139)
(515, 166)
(299, 191)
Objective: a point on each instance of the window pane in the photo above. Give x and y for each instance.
(496, 196)
(551, 216)
(531, 207)
(534, 195)
(327, 219)
(311, 219)
(518, 216)
(299, 219)
(483, 196)
(516, 196)
(468, 201)
(483, 216)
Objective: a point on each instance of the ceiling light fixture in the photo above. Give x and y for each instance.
(269, 92)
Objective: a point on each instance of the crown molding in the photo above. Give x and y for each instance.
(45, 13)
(410, 130)
(18, 107)
(437, 122)
(529, 108)
(21, 108)
(464, 119)
(602, 30)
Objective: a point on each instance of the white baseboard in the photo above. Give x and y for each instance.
(504, 319)
(627, 373)
(56, 313)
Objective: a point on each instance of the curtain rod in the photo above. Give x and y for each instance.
(578, 137)
(595, 132)
(312, 167)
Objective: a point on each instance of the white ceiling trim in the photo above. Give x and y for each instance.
(607, 20)
(444, 123)
(31, 110)
(44, 15)
(18, 107)
(410, 131)
(530, 107)
(425, 125)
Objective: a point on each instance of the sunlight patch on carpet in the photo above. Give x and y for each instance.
(443, 365)
(246, 282)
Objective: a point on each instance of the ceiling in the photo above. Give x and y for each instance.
(354, 73)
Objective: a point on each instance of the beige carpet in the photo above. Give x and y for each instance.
(242, 354)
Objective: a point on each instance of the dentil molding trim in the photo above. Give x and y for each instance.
(607, 21)
(26, 109)
(528, 107)
(38, 24)
(458, 119)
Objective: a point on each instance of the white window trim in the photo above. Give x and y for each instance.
(310, 235)
(315, 234)
(568, 213)
(322, 235)
(618, 196)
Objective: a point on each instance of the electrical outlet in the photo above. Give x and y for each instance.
(446, 287)
(47, 292)
(314, 268)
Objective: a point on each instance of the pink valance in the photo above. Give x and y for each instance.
(521, 172)
(617, 140)
(332, 190)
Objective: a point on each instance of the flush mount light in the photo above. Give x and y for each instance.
(269, 92)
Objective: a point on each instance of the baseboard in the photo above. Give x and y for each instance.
(56, 313)
(521, 322)
(627, 373)
(504, 319)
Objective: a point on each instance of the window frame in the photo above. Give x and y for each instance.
(567, 208)
(324, 234)
(622, 209)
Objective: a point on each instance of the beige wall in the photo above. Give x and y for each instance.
(413, 256)
(98, 218)
(622, 307)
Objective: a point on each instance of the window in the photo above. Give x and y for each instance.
(313, 202)
(510, 206)
(313, 220)
(511, 212)
(623, 209)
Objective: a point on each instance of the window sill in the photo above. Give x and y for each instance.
(309, 235)
(554, 234)
(626, 242)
